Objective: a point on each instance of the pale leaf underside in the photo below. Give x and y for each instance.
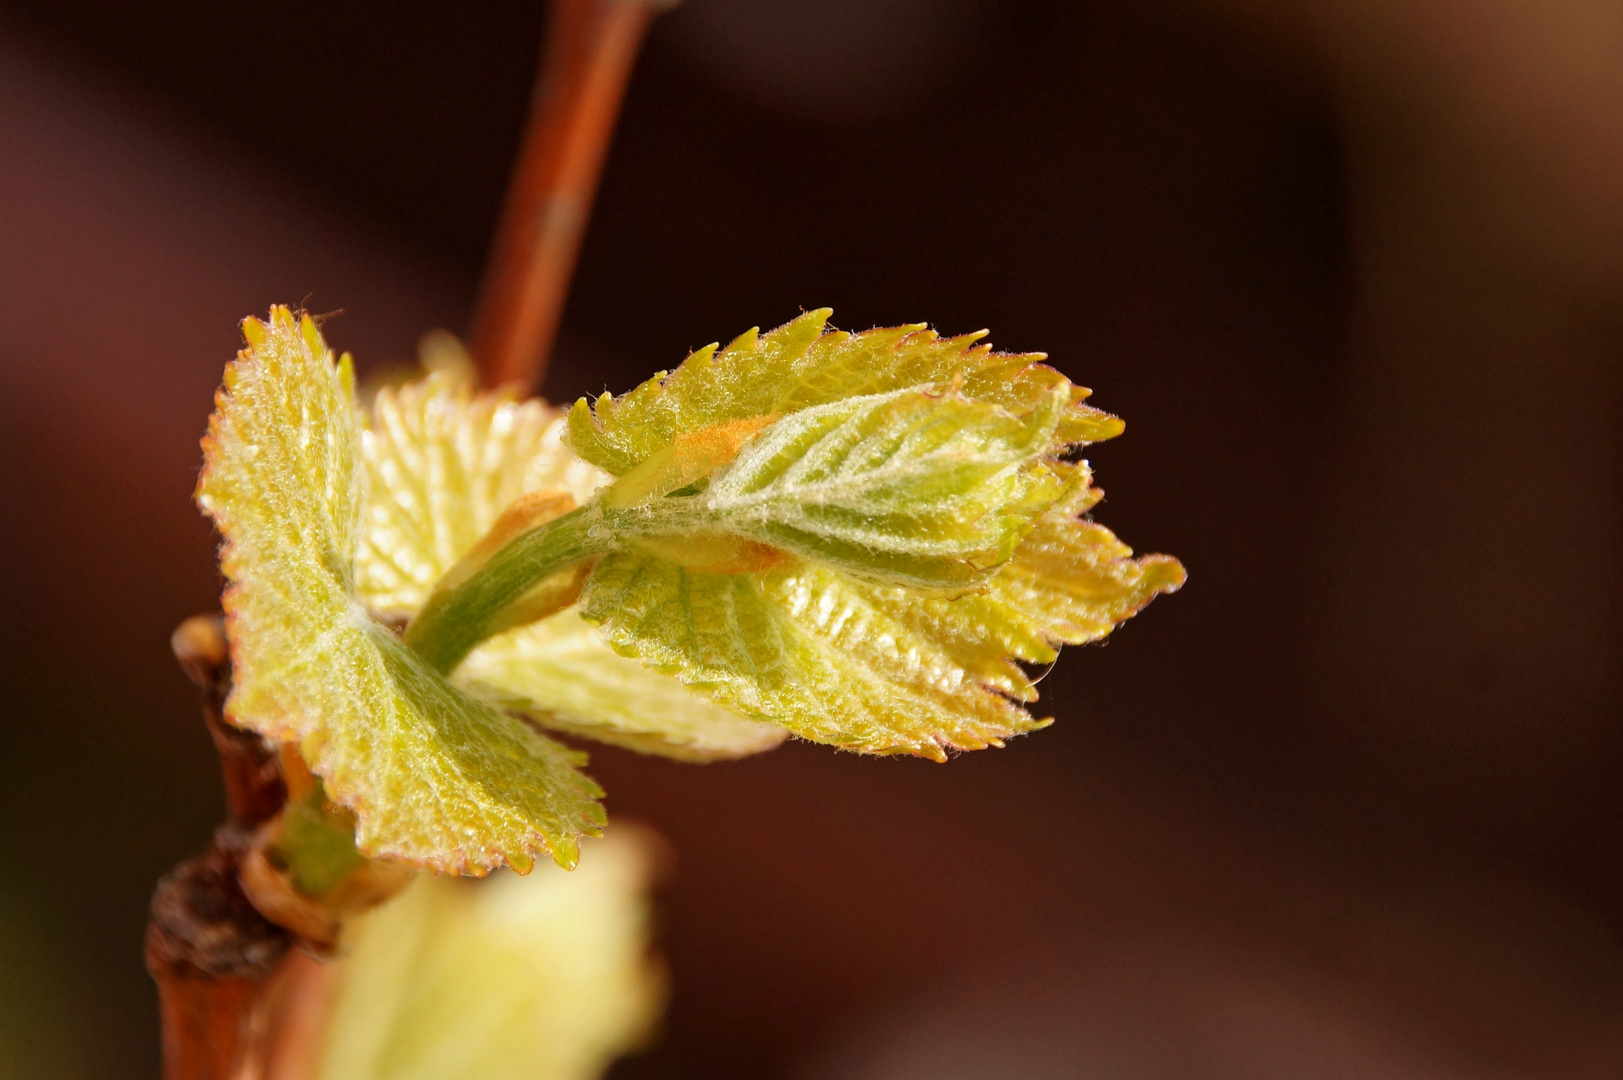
(442, 463)
(564, 675)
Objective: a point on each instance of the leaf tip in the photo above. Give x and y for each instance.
(745, 342)
(256, 333)
(1163, 573)
(311, 334)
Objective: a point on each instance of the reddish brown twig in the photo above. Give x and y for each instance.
(590, 48)
(207, 946)
(295, 1007)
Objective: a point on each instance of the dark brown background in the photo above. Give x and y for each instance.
(1347, 806)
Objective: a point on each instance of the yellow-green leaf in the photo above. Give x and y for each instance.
(561, 673)
(802, 364)
(433, 775)
(806, 648)
(540, 978)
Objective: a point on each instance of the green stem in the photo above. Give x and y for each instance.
(456, 620)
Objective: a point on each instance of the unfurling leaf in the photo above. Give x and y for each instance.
(540, 978)
(910, 545)
(434, 775)
(803, 648)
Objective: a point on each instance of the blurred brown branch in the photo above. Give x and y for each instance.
(590, 48)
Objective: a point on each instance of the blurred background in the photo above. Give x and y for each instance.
(1350, 805)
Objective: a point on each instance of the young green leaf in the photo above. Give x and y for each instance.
(744, 461)
(433, 775)
(804, 648)
(564, 675)
(855, 538)
(870, 533)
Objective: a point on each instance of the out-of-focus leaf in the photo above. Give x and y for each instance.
(798, 366)
(539, 978)
(433, 775)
